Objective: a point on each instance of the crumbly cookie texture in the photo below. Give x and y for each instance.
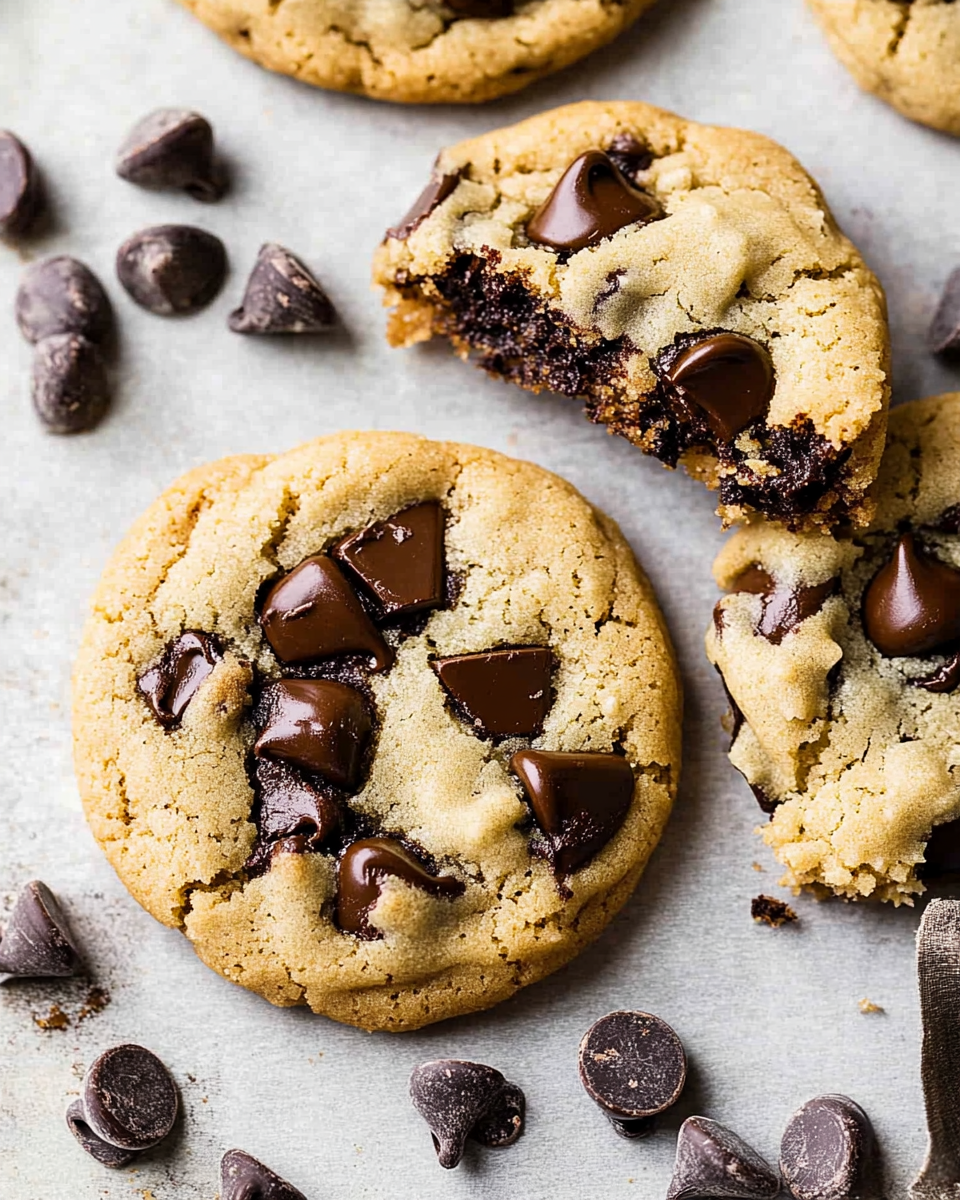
(417, 51)
(847, 747)
(906, 53)
(745, 243)
(175, 809)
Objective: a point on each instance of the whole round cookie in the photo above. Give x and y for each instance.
(418, 51)
(907, 53)
(386, 726)
(688, 282)
(842, 660)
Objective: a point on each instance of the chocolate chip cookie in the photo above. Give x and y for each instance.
(386, 726)
(417, 51)
(687, 282)
(907, 52)
(841, 656)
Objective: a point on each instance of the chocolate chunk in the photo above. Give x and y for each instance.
(37, 943)
(61, 295)
(244, 1178)
(313, 612)
(504, 693)
(592, 201)
(362, 869)
(400, 560)
(461, 1099)
(944, 679)
(282, 296)
(317, 724)
(912, 604)
(171, 148)
(714, 1163)
(172, 269)
(629, 154)
(433, 195)
(21, 193)
(944, 334)
(502, 1124)
(783, 608)
(70, 387)
(771, 911)
(827, 1151)
(175, 678)
(481, 8)
(633, 1065)
(728, 377)
(941, 855)
(292, 807)
(579, 801)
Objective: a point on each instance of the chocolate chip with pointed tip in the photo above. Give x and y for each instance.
(727, 377)
(714, 1163)
(21, 192)
(170, 683)
(172, 269)
(399, 561)
(433, 195)
(454, 1097)
(912, 604)
(282, 296)
(62, 295)
(103, 1152)
(503, 1123)
(504, 693)
(171, 148)
(317, 724)
(828, 1151)
(37, 942)
(70, 389)
(361, 872)
(243, 1177)
(784, 607)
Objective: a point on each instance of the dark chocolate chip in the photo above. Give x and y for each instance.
(944, 334)
(37, 942)
(633, 1065)
(433, 195)
(242, 1177)
(455, 1098)
(944, 679)
(592, 201)
(827, 1151)
(504, 693)
(171, 148)
(317, 724)
(21, 193)
(103, 1152)
(502, 1124)
(175, 678)
(941, 855)
(579, 801)
(172, 269)
(290, 806)
(729, 377)
(282, 296)
(629, 154)
(313, 612)
(714, 1163)
(912, 604)
(61, 295)
(70, 391)
(399, 561)
(783, 608)
(771, 911)
(363, 868)
(480, 8)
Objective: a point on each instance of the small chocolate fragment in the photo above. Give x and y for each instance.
(714, 1163)
(21, 193)
(729, 377)
(912, 604)
(592, 201)
(944, 334)
(433, 195)
(317, 724)
(103, 1152)
(362, 869)
(941, 855)
(505, 693)
(171, 148)
(503, 1123)
(633, 1066)
(175, 678)
(461, 1099)
(313, 612)
(771, 911)
(172, 269)
(400, 560)
(629, 154)
(242, 1177)
(579, 801)
(944, 679)
(291, 807)
(37, 943)
(480, 8)
(783, 608)
(62, 295)
(827, 1151)
(70, 387)
(282, 296)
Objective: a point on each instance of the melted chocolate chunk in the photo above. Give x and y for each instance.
(282, 296)
(243, 1177)
(37, 942)
(70, 389)
(783, 608)
(362, 869)
(400, 560)
(61, 295)
(579, 801)
(504, 693)
(726, 375)
(629, 154)
(317, 724)
(592, 201)
(459, 1100)
(827, 1151)
(912, 604)
(175, 678)
(313, 612)
(290, 806)
(714, 1163)
(171, 148)
(433, 195)
(21, 193)
(481, 8)
(172, 269)
(944, 679)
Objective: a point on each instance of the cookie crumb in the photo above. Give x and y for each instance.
(771, 912)
(758, 866)
(868, 1006)
(96, 1001)
(56, 1018)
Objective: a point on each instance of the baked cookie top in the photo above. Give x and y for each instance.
(687, 281)
(418, 51)
(387, 726)
(840, 656)
(907, 53)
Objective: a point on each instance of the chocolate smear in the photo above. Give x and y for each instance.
(62, 295)
(459, 1100)
(361, 872)
(714, 1163)
(828, 1152)
(37, 942)
(912, 604)
(169, 684)
(172, 269)
(504, 693)
(282, 296)
(784, 608)
(70, 389)
(21, 192)
(399, 561)
(433, 195)
(171, 148)
(729, 377)
(317, 724)
(243, 1177)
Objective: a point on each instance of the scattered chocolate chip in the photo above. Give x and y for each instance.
(172, 269)
(171, 148)
(62, 295)
(433, 195)
(282, 296)
(244, 1178)
(317, 724)
(771, 911)
(37, 942)
(944, 334)
(503, 1122)
(481, 8)
(361, 872)
(504, 693)
(912, 604)
(784, 608)
(70, 387)
(175, 678)
(21, 193)
(292, 807)
(714, 1163)
(827, 1151)
(729, 377)
(633, 1066)
(313, 612)
(579, 801)
(461, 1100)
(592, 201)
(629, 154)
(399, 561)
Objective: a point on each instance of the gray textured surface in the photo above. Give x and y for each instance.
(770, 1018)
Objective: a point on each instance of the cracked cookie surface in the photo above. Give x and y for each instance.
(418, 51)
(180, 680)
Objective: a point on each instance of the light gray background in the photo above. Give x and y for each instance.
(770, 1018)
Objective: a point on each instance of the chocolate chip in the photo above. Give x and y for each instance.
(242, 1177)
(37, 942)
(290, 806)
(629, 154)
(481, 8)
(784, 608)
(175, 678)
(313, 612)
(282, 296)
(103, 1152)
(502, 1124)
(433, 195)
(633, 1066)
(399, 561)
(944, 334)
(504, 693)
(21, 193)
(172, 269)
(461, 1099)
(317, 724)
(827, 1151)
(770, 911)
(61, 295)
(714, 1163)
(579, 801)
(912, 604)
(729, 377)
(171, 148)
(944, 679)
(361, 872)
(941, 855)
(70, 387)
(592, 201)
